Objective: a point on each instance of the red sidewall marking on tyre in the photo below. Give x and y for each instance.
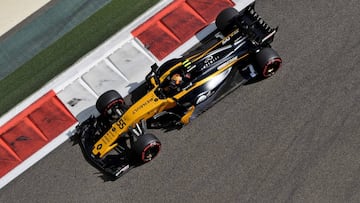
(149, 146)
(269, 63)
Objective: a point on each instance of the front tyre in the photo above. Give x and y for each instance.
(268, 62)
(109, 103)
(147, 146)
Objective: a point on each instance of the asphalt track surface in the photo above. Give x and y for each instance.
(292, 138)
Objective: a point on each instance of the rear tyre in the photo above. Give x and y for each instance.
(268, 62)
(225, 20)
(146, 147)
(109, 102)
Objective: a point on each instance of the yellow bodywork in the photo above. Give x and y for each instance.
(151, 104)
(145, 108)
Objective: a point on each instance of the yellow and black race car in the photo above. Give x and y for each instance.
(236, 53)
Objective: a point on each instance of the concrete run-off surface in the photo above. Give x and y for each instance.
(49, 21)
(13, 12)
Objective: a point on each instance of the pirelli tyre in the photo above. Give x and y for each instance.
(268, 62)
(147, 147)
(110, 102)
(225, 20)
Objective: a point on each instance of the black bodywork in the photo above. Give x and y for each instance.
(238, 41)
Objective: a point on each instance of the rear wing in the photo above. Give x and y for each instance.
(254, 27)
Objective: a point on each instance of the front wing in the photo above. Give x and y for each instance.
(116, 163)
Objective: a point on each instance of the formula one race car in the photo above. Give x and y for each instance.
(237, 52)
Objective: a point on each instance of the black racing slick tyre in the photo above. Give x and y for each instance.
(225, 20)
(108, 101)
(147, 146)
(268, 62)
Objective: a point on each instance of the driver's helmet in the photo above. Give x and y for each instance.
(176, 79)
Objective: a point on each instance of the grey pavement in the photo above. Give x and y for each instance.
(291, 138)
